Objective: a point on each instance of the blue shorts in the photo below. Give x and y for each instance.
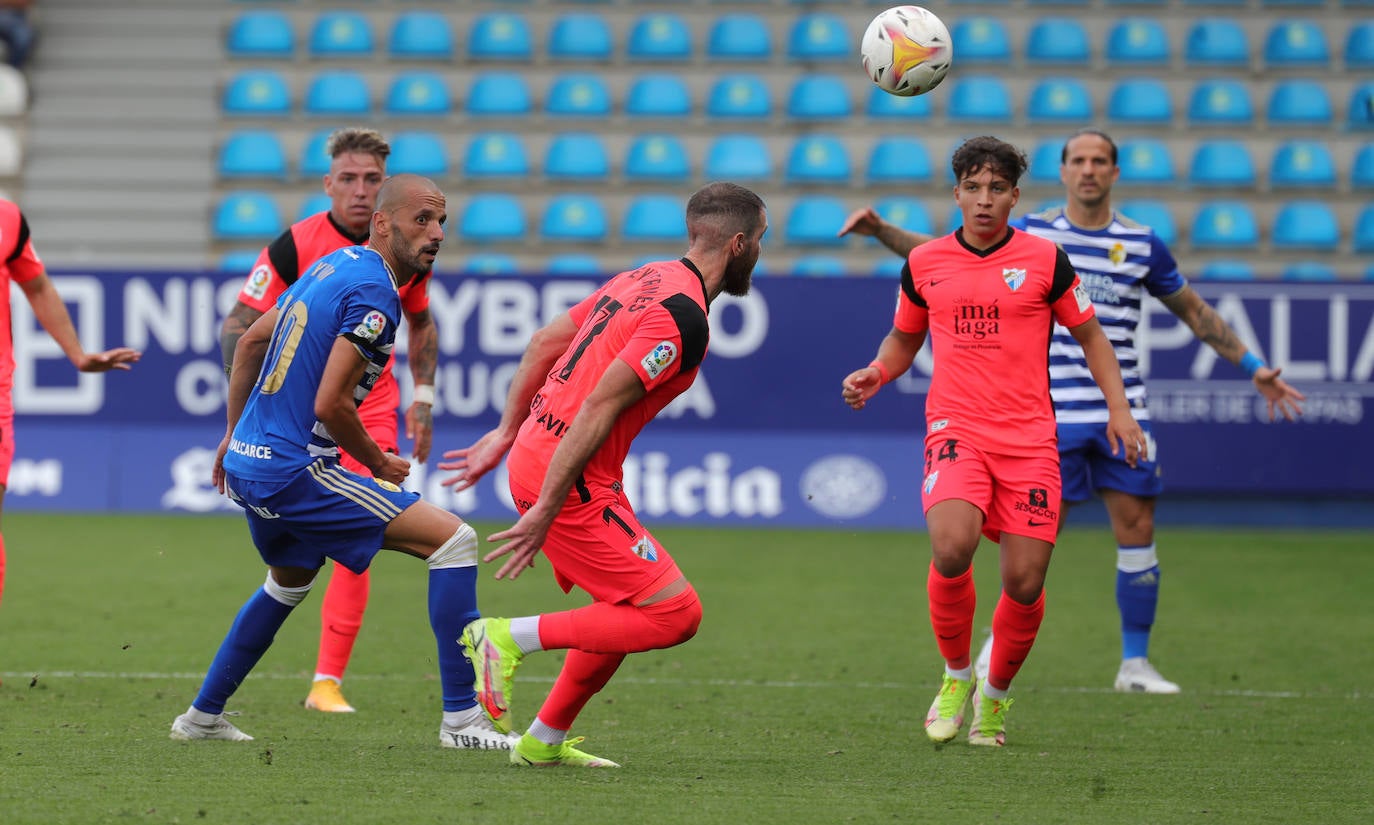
(1086, 464)
(324, 511)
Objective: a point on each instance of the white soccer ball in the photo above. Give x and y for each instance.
(907, 50)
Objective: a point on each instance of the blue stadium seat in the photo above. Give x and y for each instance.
(1359, 45)
(739, 37)
(981, 39)
(889, 267)
(578, 95)
(1363, 234)
(817, 159)
(1045, 160)
(1225, 225)
(1299, 103)
(1216, 41)
(820, 36)
(260, 34)
(1138, 41)
(339, 92)
(819, 97)
(421, 35)
(1362, 170)
(418, 153)
(885, 106)
(1059, 100)
(1306, 224)
(1227, 269)
(898, 160)
(1310, 271)
(255, 153)
(818, 266)
(655, 218)
(1140, 101)
(980, 98)
(496, 155)
(1361, 112)
(314, 159)
(244, 215)
(500, 36)
(1220, 103)
(1302, 163)
(658, 95)
(489, 263)
(313, 204)
(238, 261)
(259, 93)
(575, 263)
(813, 221)
(1296, 42)
(659, 37)
(418, 93)
(580, 37)
(657, 158)
(1222, 163)
(956, 218)
(739, 96)
(1057, 40)
(574, 218)
(576, 156)
(1157, 215)
(741, 157)
(498, 94)
(905, 212)
(490, 217)
(341, 34)
(1145, 161)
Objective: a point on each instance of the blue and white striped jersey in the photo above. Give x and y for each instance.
(1114, 264)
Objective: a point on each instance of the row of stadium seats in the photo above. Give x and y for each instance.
(816, 36)
(1220, 102)
(810, 159)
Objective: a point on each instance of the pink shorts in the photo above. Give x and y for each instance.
(1017, 494)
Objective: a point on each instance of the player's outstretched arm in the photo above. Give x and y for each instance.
(423, 355)
(1123, 431)
(895, 355)
(868, 222)
(52, 313)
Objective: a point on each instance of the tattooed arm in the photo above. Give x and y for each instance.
(240, 318)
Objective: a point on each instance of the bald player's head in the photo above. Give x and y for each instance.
(408, 224)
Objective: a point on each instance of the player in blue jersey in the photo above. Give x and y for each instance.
(1118, 261)
(299, 374)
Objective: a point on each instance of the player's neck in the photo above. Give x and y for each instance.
(1089, 216)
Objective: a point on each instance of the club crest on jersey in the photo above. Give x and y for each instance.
(1014, 278)
(1080, 294)
(371, 327)
(1117, 253)
(645, 549)
(257, 282)
(930, 482)
(659, 359)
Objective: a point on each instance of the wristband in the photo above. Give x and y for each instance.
(882, 371)
(424, 394)
(1251, 363)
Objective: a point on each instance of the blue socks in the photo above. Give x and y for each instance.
(452, 606)
(248, 638)
(1137, 595)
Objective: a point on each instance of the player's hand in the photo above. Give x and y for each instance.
(522, 542)
(393, 469)
(861, 222)
(471, 463)
(1280, 396)
(1123, 431)
(217, 474)
(860, 386)
(118, 358)
(420, 429)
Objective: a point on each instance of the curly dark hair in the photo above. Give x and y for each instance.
(976, 154)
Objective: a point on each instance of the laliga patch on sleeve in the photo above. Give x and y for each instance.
(257, 282)
(371, 327)
(1080, 293)
(660, 358)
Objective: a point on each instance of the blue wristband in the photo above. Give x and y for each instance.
(1251, 363)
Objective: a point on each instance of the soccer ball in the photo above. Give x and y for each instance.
(907, 50)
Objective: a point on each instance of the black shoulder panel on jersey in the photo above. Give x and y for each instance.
(909, 286)
(691, 325)
(1063, 275)
(21, 240)
(282, 253)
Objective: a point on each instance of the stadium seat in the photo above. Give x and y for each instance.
(244, 215)
(1359, 45)
(1218, 163)
(655, 218)
(1363, 233)
(500, 36)
(238, 261)
(313, 204)
(885, 106)
(575, 263)
(579, 37)
(260, 34)
(814, 219)
(578, 95)
(1145, 161)
(253, 153)
(1310, 271)
(1220, 103)
(1138, 41)
(1057, 40)
(1362, 170)
(658, 95)
(1305, 224)
(259, 93)
(819, 97)
(738, 157)
(14, 91)
(1361, 113)
(1299, 103)
(1227, 269)
(489, 263)
(817, 159)
(820, 36)
(341, 34)
(491, 218)
(314, 159)
(421, 35)
(981, 39)
(657, 158)
(737, 96)
(576, 156)
(1302, 163)
(659, 37)
(1216, 41)
(905, 212)
(1045, 160)
(980, 98)
(498, 94)
(1058, 100)
(898, 160)
(1295, 43)
(418, 153)
(334, 93)
(818, 266)
(1141, 101)
(1225, 225)
(418, 94)
(890, 267)
(574, 218)
(11, 155)
(1157, 215)
(739, 37)
(496, 155)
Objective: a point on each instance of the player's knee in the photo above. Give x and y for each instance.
(677, 618)
(459, 551)
(289, 596)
